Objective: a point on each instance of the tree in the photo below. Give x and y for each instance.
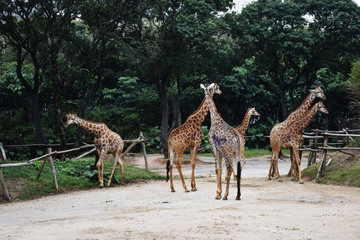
(293, 40)
(18, 28)
(94, 44)
(177, 39)
(354, 87)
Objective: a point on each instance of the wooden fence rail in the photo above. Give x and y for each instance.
(48, 158)
(342, 137)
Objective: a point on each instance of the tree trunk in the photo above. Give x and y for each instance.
(161, 85)
(283, 104)
(57, 109)
(35, 118)
(176, 121)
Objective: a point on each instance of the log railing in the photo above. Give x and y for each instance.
(48, 157)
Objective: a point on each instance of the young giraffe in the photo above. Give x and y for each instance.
(242, 129)
(297, 114)
(291, 136)
(105, 141)
(187, 135)
(225, 142)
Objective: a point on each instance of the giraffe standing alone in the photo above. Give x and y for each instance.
(290, 135)
(296, 114)
(225, 142)
(187, 135)
(105, 141)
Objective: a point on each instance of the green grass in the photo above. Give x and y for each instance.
(71, 175)
(343, 170)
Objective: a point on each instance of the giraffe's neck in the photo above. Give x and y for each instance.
(91, 127)
(302, 109)
(303, 122)
(245, 123)
(214, 115)
(199, 115)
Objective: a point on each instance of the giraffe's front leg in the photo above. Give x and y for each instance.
(297, 162)
(271, 165)
(100, 168)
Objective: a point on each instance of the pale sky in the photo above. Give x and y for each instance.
(239, 4)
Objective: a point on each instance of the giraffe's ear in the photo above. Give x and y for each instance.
(211, 86)
(202, 86)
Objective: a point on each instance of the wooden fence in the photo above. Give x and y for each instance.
(48, 157)
(321, 141)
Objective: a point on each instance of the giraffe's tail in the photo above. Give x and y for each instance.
(170, 157)
(167, 170)
(238, 179)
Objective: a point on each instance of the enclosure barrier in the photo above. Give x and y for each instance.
(48, 157)
(343, 138)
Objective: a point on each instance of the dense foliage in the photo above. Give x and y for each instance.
(136, 65)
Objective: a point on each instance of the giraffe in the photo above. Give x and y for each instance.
(290, 135)
(187, 135)
(242, 129)
(105, 141)
(299, 113)
(225, 142)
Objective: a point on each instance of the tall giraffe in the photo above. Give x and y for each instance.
(225, 142)
(242, 129)
(105, 141)
(290, 135)
(299, 113)
(187, 135)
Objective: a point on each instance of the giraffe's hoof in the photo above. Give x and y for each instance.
(225, 198)
(172, 190)
(101, 186)
(237, 198)
(269, 178)
(280, 180)
(218, 197)
(301, 182)
(193, 189)
(187, 190)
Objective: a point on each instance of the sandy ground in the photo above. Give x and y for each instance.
(148, 210)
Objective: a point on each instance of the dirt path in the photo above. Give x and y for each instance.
(148, 210)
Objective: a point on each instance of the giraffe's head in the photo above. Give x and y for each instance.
(215, 89)
(253, 112)
(321, 108)
(318, 92)
(71, 118)
(211, 89)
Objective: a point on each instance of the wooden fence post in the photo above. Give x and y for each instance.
(4, 186)
(53, 172)
(322, 167)
(316, 142)
(41, 168)
(3, 155)
(144, 150)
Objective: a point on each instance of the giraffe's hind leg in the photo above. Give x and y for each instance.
(170, 166)
(178, 166)
(228, 176)
(118, 160)
(193, 152)
(218, 170)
